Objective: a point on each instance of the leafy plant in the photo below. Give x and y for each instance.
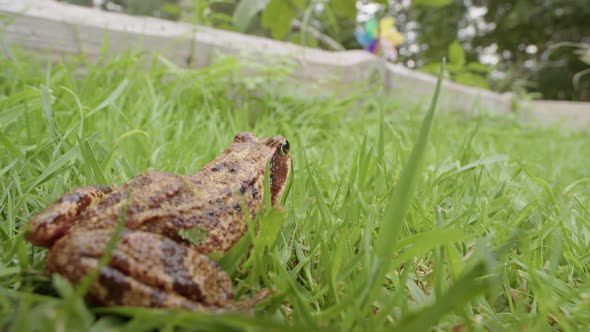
(583, 52)
(458, 70)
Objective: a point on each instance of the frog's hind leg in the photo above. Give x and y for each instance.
(54, 221)
(147, 270)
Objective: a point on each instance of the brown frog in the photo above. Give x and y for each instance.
(172, 222)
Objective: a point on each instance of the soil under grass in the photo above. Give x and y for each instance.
(496, 237)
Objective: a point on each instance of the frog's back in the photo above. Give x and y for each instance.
(167, 204)
(147, 196)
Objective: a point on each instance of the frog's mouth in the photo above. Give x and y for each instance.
(280, 168)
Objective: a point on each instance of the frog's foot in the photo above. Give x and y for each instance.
(55, 220)
(247, 305)
(147, 270)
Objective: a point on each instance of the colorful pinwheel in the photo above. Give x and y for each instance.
(383, 37)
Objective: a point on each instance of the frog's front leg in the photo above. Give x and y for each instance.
(55, 220)
(147, 270)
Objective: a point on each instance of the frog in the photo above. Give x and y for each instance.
(168, 227)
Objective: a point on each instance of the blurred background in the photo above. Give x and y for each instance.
(535, 48)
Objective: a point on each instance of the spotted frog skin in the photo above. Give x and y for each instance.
(172, 223)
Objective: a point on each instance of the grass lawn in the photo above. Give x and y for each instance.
(495, 238)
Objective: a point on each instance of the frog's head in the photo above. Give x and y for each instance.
(275, 152)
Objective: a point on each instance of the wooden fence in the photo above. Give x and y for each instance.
(55, 29)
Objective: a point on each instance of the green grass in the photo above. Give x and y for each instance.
(495, 238)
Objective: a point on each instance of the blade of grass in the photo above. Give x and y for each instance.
(90, 158)
(111, 98)
(464, 290)
(55, 166)
(399, 201)
(46, 101)
(8, 145)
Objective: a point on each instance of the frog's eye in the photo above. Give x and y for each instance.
(284, 149)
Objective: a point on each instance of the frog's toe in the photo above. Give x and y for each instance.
(247, 305)
(146, 269)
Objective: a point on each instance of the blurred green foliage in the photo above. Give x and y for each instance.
(277, 17)
(521, 35)
(521, 27)
(458, 70)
